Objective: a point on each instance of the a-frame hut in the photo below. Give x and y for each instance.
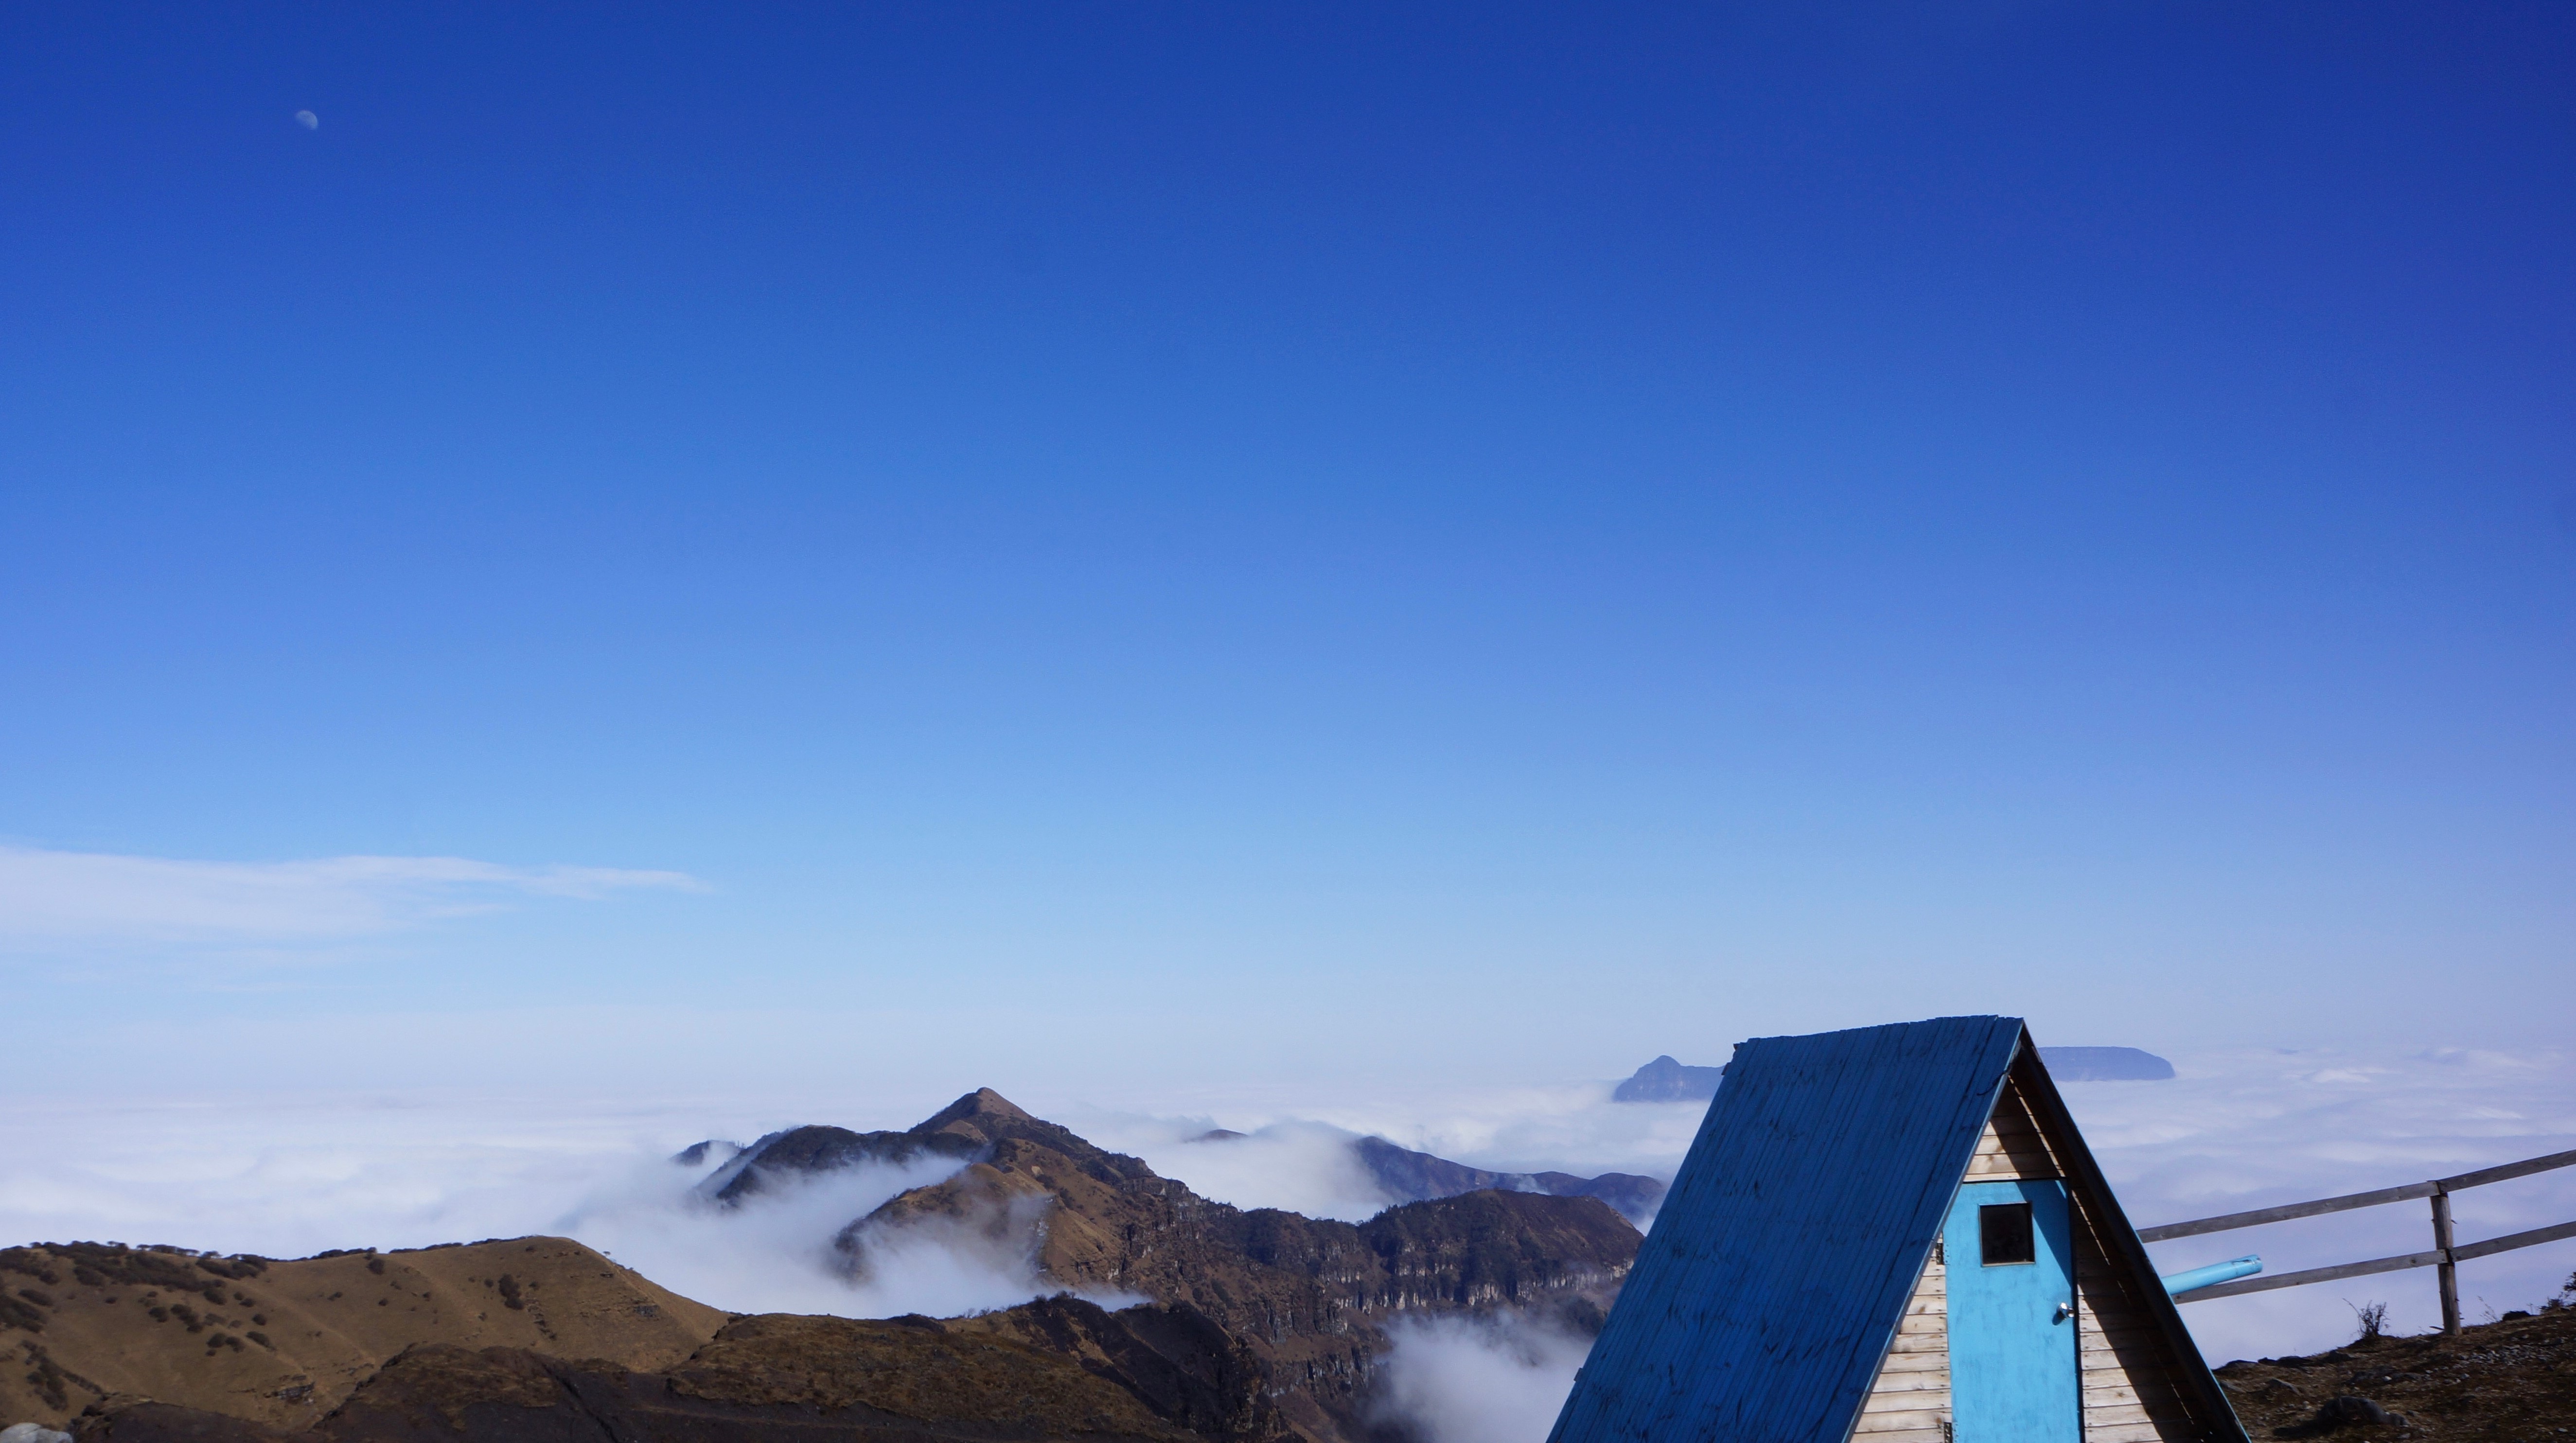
(1893, 1235)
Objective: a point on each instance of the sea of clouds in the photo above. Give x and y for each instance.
(291, 1175)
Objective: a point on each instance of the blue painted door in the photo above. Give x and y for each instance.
(2011, 1270)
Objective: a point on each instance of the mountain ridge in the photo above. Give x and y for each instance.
(1257, 1325)
(1309, 1295)
(1402, 1174)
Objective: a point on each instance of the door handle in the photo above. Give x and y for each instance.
(2064, 1312)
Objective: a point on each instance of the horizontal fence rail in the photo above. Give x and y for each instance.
(2228, 1221)
(2445, 1255)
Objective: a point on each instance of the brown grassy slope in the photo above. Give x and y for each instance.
(917, 1369)
(2512, 1381)
(286, 1342)
(764, 1379)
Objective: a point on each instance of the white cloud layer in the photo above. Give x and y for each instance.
(1302, 1166)
(1498, 1379)
(290, 1175)
(102, 898)
(774, 1253)
(2256, 1129)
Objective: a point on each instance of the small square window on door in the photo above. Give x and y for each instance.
(2003, 1234)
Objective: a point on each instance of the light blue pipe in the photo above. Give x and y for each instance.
(2216, 1273)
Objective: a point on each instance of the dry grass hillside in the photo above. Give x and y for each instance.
(284, 1343)
(2509, 1381)
(1049, 1372)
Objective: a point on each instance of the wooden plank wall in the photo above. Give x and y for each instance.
(1909, 1400)
(2012, 1147)
(2132, 1387)
(2131, 1394)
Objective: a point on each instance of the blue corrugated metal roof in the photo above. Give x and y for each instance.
(1784, 1254)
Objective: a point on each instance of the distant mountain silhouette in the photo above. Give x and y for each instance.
(1664, 1080)
(2104, 1064)
(801, 1150)
(696, 1153)
(1409, 1176)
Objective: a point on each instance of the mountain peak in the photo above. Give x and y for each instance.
(983, 1102)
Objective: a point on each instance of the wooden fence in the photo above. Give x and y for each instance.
(2445, 1255)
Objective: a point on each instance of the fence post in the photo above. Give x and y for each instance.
(2448, 1271)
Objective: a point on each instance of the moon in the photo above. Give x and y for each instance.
(308, 120)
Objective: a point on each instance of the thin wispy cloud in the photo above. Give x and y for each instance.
(105, 899)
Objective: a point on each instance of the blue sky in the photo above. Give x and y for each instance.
(1479, 539)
